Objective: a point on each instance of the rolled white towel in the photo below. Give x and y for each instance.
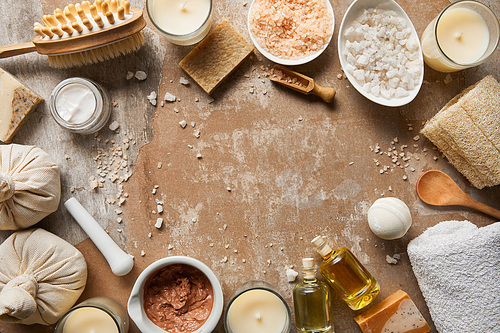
(457, 266)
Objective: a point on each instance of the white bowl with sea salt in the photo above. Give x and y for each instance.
(291, 61)
(374, 91)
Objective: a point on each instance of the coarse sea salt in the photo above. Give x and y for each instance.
(382, 54)
(291, 29)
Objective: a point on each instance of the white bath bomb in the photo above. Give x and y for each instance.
(389, 218)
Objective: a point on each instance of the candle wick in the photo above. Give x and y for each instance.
(257, 316)
(184, 4)
(458, 35)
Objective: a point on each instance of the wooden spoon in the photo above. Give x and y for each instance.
(437, 188)
(301, 83)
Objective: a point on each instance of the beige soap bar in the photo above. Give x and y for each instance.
(16, 102)
(216, 56)
(395, 314)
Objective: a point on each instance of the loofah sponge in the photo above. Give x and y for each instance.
(467, 131)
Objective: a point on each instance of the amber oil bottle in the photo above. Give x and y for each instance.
(346, 275)
(311, 301)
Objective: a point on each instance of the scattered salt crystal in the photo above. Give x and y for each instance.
(159, 223)
(141, 75)
(114, 126)
(183, 123)
(198, 156)
(170, 98)
(152, 98)
(183, 81)
(130, 75)
(390, 260)
(291, 275)
(143, 253)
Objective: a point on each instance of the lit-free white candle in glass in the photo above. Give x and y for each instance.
(256, 307)
(182, 22)
(463, 35)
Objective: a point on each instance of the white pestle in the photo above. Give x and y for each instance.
(120, 262)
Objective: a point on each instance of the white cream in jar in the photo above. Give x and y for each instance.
(80, 105)
(75, 103)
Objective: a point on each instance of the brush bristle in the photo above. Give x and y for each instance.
(102, 53)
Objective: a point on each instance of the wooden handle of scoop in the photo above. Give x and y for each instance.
(327, 94)
(16, 49)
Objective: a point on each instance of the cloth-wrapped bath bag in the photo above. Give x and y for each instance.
(30, 186)
(41, 277)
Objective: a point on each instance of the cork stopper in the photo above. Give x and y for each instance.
(321, 246)
(308, 268)
(307, 262)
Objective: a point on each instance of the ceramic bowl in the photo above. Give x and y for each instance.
(290, 62)
(135, 303)
(352, 13)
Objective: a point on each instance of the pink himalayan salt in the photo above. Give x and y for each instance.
(291, 29)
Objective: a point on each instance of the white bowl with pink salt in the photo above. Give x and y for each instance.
(380, 53)
(291, 32)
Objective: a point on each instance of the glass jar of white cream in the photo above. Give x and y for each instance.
(80, 105)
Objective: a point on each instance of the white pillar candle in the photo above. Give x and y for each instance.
(257, 310)
(89, 320)
(183, 22)
(462, 36)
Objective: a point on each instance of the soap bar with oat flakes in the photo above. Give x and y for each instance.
(395, 314)
(16, 102)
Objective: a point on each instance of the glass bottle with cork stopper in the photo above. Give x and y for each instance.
(346, 275)
(311, 300)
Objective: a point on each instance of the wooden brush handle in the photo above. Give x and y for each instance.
(16, 49)
(327, 94)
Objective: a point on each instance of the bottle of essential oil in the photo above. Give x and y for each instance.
(311, 300)
(346, 275)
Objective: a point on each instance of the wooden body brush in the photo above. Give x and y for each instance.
(85, 33)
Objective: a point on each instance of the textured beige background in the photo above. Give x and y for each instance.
(285, 156)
